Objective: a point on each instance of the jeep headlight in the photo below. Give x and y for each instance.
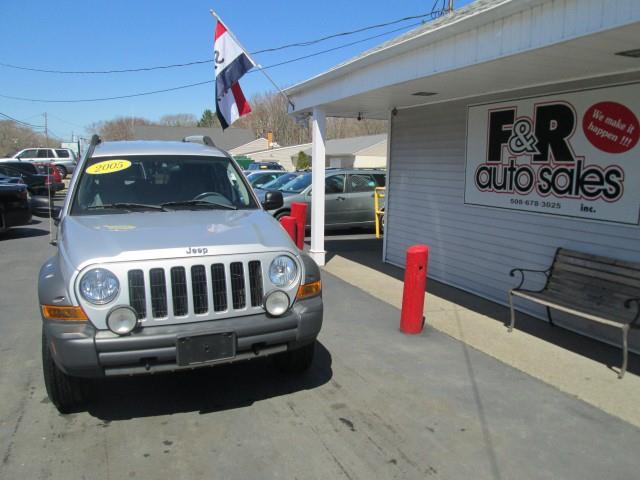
(283, 271)
(99, 286)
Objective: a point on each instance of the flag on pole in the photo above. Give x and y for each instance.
(231, 63)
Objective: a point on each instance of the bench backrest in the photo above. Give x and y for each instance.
(598, 283)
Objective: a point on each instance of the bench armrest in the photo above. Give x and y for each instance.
(627, 304)
(522, 272)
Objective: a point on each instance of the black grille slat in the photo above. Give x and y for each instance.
(199, 286)
(137, 296)
(179, 291)
(219, 287)
(238, 294)
(255, 283)
(158, 293)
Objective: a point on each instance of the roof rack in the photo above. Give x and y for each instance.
(203, 139)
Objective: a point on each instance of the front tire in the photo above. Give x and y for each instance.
(296, 361)
(67, 393)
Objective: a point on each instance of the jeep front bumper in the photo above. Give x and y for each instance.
(81, 350)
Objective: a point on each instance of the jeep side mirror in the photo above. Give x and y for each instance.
(272, 200)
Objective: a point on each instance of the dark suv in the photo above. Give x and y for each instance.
(264, 166)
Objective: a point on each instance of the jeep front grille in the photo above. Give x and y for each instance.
(158, 293)
(198, 290)
(136, 292)
(199, 285)
(219, 287)
(255, 283)
(237, 285)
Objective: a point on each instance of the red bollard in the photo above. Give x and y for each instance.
(415, 281)
(299, 212)
(289, 224)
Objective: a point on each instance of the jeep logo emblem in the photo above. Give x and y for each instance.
(197, 251)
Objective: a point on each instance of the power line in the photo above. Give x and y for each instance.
(181, 87)
(304, 57)
(350, 32)
(20, 121)
(432, 14)
(107, 98)
(65, 121)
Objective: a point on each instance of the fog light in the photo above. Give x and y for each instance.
(276, 303)
(122, 320)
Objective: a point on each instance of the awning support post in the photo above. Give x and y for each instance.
(318, 131)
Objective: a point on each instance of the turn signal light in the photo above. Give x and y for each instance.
(68, 314)
(309, 290)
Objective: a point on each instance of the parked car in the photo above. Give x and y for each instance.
(264, 166)
(259, 178)
(14, 203)
(275, 184)
(37, 183)
(167, 261)
(348, 197)
(63, 158)
(51, 170)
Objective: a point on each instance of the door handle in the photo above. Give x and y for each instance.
(341, 199)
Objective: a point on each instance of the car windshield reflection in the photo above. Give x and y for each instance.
(193, 182)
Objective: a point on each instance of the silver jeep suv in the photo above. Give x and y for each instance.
(166, 261)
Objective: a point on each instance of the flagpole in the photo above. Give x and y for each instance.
(255, 64)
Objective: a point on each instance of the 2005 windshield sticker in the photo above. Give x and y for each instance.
(574, 154)
(108, 166)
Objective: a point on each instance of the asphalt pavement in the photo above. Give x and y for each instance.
(376, 404)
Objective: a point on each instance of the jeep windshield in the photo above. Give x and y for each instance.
(159, 183)
(298, 184)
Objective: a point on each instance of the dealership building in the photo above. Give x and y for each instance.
(513, 131)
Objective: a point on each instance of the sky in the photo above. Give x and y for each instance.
(121, 34)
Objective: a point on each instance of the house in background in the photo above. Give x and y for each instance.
(369, 151)
(226, 140)
(256, 145)
(282, 155)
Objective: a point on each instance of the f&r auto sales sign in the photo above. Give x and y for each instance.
(574, 154)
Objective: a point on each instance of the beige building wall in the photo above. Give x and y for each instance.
(370, 161)
(253, 146)
(281, 155)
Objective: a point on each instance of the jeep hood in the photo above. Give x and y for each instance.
(155, 235)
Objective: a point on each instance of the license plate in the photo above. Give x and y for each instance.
(205, 348)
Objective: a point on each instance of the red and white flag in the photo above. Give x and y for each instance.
(231, 63)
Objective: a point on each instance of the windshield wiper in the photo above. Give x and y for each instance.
(128, 206)
(198, 203)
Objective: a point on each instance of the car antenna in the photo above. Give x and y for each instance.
(49, 180)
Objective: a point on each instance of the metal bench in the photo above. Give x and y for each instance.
(597, 288)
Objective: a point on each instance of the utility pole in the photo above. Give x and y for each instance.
(46, 130)
(450, 6)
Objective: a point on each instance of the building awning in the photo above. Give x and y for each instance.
(489, 46)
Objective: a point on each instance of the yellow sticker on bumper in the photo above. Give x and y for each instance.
(108, 166)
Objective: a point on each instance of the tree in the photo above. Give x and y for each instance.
(14, 137)
(179, 120)
(208, 119)
(304, 161)
(120, 128)
(270, 113)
